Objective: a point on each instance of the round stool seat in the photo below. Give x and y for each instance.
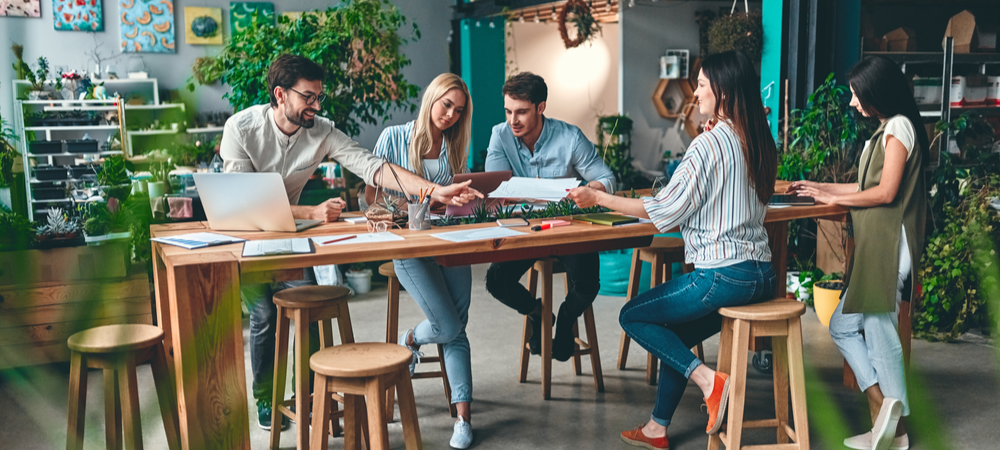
(367, 359)
(115, 338)
(309, 296)
(387, 270)
(776, 309)
(665, 244)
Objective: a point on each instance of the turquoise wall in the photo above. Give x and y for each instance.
(483, 57)
(770, 65)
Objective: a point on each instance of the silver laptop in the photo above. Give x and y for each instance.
(247, 202)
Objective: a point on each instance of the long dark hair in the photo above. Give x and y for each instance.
(884, 92)
(736, 86)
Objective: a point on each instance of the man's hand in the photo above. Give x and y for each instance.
(456, 194)
(584, 196)
(328, 211)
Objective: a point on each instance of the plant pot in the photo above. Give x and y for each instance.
(360, 281)
(47, 173)
(83, 145)
(103, 238)
(48, 193)
(84, 169)
(826, 300)
(156, 189)
(39, 95)
(45, 147)
(59, 241)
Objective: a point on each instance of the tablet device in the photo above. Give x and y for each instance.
(483, 182)
(788, 199)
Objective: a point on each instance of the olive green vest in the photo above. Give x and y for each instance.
(874, 266)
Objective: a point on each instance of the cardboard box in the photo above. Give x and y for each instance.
(962, 27)
(901, 39)
(988, 38)
(975, 93)
(927, 91)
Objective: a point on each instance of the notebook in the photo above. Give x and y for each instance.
(606, 219)
(272, 247)
(785, 199)
(192, 241)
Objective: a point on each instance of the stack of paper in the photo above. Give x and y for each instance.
(277, 247)
(548, 189)
(364, 238)
(477, 234)
(197, 240)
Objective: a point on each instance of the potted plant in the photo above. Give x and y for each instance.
(359, 277)
(16, 231)
(59, 230)
(113, 178)
(743, 32)
(8, 154)
(161, 176)
(826, 297)
(101, 223)
(614, 143)
(38, 79)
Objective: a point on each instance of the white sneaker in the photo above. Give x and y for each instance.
(462, 437)
(416, 351)
(885, 424)
(864, 442)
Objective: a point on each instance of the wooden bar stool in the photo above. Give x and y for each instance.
(391, 336)
(304, 305)
(364, 372)
(543, 269)
(118, 349)
(661, 254)
(778, 319)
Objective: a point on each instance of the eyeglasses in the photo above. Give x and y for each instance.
(379, 226)
(310, 98)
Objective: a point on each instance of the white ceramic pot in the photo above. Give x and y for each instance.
(360, 281)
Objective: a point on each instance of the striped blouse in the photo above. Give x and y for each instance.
(394, 146)
(711, 199)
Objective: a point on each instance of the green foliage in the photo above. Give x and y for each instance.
(952, 300)
(16, 231)
(972, 133)
(201, 151)
(39, 76)
(808, 279)
(587, 27)
(504, 212)
(358, 44)
(743, 32)
(58, 224)
(114, 171)
(21, 69)
(7, 153)
(481, 213)
(207, 70)
(614, 143)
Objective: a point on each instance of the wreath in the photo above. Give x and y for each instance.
(586, 25)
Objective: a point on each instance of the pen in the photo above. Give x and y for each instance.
(340, 239)
(545, 226)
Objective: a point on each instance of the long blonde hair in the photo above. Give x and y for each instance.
(455, 137)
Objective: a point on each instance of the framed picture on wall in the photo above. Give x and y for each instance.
(147, 26)
(241, 15)
(202, 26)
(77, 15)
(20, 8)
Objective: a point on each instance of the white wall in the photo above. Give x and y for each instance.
(647, 31)
(67, 48)
(582, 81)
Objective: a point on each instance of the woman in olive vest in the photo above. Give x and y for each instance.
(888, 209)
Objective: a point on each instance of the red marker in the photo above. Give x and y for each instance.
(545, 226)
(340, 239)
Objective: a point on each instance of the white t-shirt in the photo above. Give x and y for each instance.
(432, 167)
(902, 129)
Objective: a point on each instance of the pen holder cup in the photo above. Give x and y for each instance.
(418, 218)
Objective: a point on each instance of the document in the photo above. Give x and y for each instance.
(359, 238)
(477, 234)
(277, 247)
(548, 189)
(198, 240)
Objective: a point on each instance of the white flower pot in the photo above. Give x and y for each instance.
(360, 281)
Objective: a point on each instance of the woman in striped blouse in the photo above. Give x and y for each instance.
(718, 197)
(436, 145)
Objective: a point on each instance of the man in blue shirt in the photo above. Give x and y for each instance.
(532, 145)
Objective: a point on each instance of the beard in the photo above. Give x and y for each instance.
(300, 119)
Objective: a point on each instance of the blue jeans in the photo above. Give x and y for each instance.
(671, 318)
(259, 299)
(444, 294)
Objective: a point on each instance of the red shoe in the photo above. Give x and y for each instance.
(717, 403)
(637, 438)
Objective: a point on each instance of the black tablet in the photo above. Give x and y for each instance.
(783, 199)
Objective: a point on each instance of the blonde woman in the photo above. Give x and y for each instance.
(436, 145)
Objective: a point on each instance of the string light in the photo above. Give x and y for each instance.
(521, 19)
(536, 16)
(492, 25)
(478, 24)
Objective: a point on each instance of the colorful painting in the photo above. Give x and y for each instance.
(20, 8)
(241, 15)
(77, 15)
(147, 26)
(202, 26)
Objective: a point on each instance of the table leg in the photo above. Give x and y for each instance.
(162, 292)
(207, 338)
(777, 233)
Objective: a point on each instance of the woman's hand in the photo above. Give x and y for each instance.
(584, 196)
(456, 194)
(795, 186)
(819, 195)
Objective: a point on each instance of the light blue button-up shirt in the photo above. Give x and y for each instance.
(562, 151)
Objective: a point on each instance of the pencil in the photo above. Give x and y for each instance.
(340, 239)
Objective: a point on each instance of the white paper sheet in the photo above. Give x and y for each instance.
(276, 247)
(361, 238)
(355, 219)
(549, 189)
(477, 234)
(198, 240)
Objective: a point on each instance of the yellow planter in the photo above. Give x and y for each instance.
(825, 301)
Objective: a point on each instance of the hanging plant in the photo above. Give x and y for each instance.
(207, 70)
(578, 13)
(743, 32)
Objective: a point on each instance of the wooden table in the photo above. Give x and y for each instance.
(198, 297)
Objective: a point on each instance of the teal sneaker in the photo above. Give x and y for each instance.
(264, 416)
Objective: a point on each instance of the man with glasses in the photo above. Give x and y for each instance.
(287, 137)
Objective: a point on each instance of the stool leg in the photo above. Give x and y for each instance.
(321, 414)
(738, 382)
(166, 397)
(325, 334)
(301, 379)
(723, 365)
(376, 414)
(408, 413)
(354, 415)
(130, 402)
(699, 351)
(595, 353)
(654, 280)
(577, 363)
(779, 349)
(112, 411)
(77, 401)
(633, 291)
(797, 381)
(525, 352)
(280, 372)
(546, 279)
(447, 386)
(391, 336)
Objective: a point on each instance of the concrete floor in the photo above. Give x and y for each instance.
(954, 404)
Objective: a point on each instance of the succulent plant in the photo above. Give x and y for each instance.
(58, 224)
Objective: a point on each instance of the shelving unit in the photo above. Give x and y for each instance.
(143, 114)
